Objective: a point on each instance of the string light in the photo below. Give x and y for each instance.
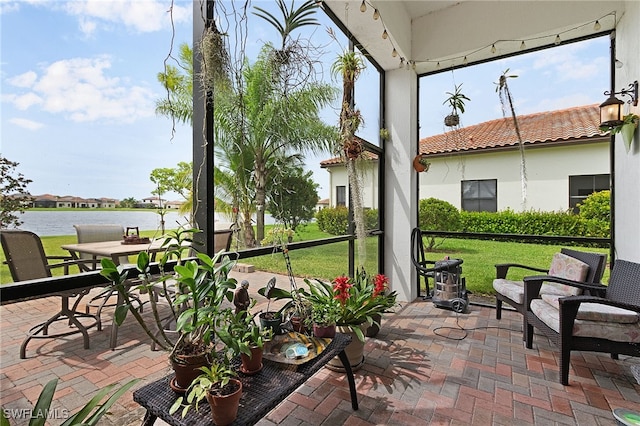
(407, 63)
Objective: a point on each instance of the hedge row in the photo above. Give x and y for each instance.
(533, 223)
(334, 220)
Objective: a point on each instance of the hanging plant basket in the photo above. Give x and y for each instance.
(420, 163)
(452, 120)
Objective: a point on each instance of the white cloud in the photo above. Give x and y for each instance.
(81, 89)
(138, 15)
(23, 80)
(26, 124)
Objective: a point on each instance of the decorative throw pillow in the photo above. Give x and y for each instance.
(567, 267)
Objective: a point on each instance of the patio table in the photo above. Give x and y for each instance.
(112, 249)
(261, 393)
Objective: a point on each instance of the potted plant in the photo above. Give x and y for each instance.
(456, 101)
(202, 288)
(218, 385)
(244, 337)
(325, 312)
(270, 319)
(420, 163)
(360, 299)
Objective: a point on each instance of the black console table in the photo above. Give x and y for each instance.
(261, 393)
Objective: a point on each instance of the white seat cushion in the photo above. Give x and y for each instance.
(615, 331)
(596, 311)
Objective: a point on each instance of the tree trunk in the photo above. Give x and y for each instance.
(260, 177)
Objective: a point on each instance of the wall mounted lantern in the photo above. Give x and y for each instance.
(611, 109)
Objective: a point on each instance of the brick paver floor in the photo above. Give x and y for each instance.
(427, 365)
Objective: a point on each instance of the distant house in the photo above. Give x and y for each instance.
(322, 204)
(69, 201)
(173, 204)
(477, 168)
(153, 202)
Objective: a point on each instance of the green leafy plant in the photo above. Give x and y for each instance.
(89, 415)
(360, 298)
(437, 215)
(242, 332)
(456, 100)
(213, 379)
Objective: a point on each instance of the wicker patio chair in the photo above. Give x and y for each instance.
(609, 324)
(27, 261)
(570, 264)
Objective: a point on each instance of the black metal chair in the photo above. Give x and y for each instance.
(609, 324)
(27, 261)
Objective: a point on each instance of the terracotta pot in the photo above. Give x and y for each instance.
(354, 351)
(418, 166)
(224, 409)
(271, 320)
(252, 364)
(321, 331)
(374, 329)
(187, 368)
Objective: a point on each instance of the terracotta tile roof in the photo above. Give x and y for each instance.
(338, 160)
(577, 123)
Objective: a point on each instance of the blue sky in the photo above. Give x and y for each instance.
(79, 89)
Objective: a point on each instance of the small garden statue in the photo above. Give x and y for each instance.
(241, 298)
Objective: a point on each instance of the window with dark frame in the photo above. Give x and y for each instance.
(580, 187)
(479, 195)
(341, 195)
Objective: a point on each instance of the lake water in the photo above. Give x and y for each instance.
(49, 223)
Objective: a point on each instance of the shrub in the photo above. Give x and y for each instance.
(333, 220)
(437, 215)
(597, 206)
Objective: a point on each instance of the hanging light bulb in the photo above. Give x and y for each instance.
(376, 14)
(619, 63)
(363, 7)
(558, 40)
(438, 66)
(406, 65)
(493, 48)
(401, 63)
(597, 26)
(413, 65)
(522, 45)
(464, 61)
(394, 53)
(384, 34)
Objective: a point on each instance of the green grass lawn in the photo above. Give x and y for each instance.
(327, 262)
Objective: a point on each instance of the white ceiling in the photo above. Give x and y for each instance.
(437, 35)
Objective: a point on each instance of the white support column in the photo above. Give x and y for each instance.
(401, 209)
(627, 172)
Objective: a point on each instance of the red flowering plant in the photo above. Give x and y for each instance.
(360, 298)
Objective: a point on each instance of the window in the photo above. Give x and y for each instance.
(480, 195)
(580, 187)
(341, 195)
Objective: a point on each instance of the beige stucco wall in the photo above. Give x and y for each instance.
(338, 177)
(548, 171)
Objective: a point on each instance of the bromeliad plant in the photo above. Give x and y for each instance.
(360, 298)
(242, 332)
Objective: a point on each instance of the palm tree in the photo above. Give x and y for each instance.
(261, 120)
(505, 98)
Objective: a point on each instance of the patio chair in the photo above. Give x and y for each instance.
(569, 264)
(27, 261)
(609, 324)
